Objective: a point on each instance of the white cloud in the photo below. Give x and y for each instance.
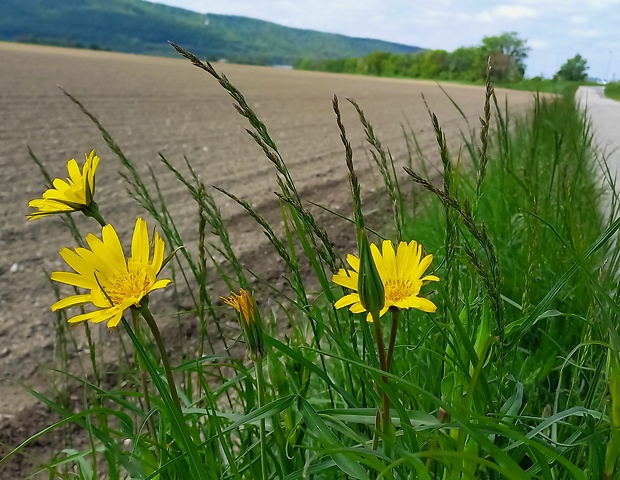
(585, 33)
(578, 20)
(514, 12)
(505, 12)
(602, 4)
(538, 43)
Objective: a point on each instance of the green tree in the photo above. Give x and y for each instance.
(574, 70)
(415, 65)
(467, 63)
(508, 53)
(434, 63)
(375, 62)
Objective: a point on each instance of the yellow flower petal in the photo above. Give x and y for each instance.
(389, 259)
(75, 175)
(98, 264)
(379, 262)
(357, 308)
(44, 204)
(158, 252)
(140, 242)
(405, 257)
(77, 263)
(60, 185)
(349, 281)
(164, 282)
(115, 320)
(84, 317)
(72, 301)
(347, 300)
(424, 264)
(113, 247)
(74, 279)
(354, 261)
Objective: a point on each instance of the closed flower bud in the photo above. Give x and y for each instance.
(369, 283)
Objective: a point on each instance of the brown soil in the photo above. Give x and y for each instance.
(153, 105)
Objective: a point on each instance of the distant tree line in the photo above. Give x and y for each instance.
(59, 42)
(507, 52)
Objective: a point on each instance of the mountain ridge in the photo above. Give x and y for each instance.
(138, 26)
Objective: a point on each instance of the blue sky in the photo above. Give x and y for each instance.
(554, 29)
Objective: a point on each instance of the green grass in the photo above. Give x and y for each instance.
(507, 379)
(612, 90)
(546, 85)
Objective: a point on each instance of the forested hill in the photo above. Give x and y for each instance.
(137, 26)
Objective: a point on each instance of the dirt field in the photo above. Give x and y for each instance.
(153, 105)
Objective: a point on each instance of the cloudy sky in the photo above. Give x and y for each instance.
(555, 30)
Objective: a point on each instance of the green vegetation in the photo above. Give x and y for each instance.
(137, 26)
(612, 90)
(508, 378)
(507, 53)
(538, 84)
(573, 70)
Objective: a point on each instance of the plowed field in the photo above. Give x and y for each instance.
(153, 105)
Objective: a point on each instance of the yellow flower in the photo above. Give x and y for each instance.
(401, 273)
(68, 196)
(114, 283)
(250, 321)
(243, 304)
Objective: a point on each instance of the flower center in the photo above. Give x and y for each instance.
(129, 285)
(397, 289)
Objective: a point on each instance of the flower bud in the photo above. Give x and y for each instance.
(369, 284)
(250, 321)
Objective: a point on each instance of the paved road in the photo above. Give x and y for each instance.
(605, 116)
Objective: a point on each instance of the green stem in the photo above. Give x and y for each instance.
(395, 313)
(145, 386)
(260, 382)
(93, 211)
(144, 310)
(380, 343)
(97, 400)
(386, 420)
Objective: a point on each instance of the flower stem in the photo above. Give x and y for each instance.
(380, 343)
(386, 419)
(388, 363)
(93, 211)
(146, 313)
(395, 313)
(145, 386)
(260, 382)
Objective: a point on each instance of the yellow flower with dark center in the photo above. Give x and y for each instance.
(74, 194)
(114, 282)
(401, 273)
